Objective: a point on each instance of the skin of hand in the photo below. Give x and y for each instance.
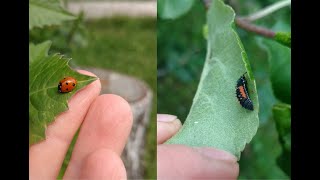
(182, 162)
(105, 121)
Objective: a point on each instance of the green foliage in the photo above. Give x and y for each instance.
(181, 53)
(283, 38)
(258, 160)
(38, 51)
(205, 31)
(45, 102)
(67, 158)
(282, 117)
(279, 58)
(170, 9)
(70, 34)
(259, 62)
(216, 118)
(277, 65)
(181, 50)
(45, 71)
(47, 12)
(109, 43)
(280, 69)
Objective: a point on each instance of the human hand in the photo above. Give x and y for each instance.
(105, 121)
(182, 162)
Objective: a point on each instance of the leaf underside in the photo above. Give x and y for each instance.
(216, 118)
(45, 101)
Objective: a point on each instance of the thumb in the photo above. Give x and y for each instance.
(182, 162)
(167, 126)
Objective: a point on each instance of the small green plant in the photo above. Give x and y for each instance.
(46, 70)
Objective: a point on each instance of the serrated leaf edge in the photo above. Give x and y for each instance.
(63, 11)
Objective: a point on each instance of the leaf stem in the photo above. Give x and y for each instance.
(246, 25)
(268, 10)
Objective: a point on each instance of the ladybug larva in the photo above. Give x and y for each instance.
(242, 93)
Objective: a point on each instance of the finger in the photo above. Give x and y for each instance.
(182, 162)
(46, 157)
(106, 126)
(167, 126)
(103, 164)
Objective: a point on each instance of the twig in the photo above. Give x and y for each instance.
(246, 25)
(268, 10)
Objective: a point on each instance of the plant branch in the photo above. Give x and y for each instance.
(246, 25)
(268, 10)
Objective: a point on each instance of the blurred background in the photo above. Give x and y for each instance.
(116, 40)
(181, 55)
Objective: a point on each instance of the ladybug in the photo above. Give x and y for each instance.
(242, 93)
(67, 84)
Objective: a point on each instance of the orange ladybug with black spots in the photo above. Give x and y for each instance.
(67, 84)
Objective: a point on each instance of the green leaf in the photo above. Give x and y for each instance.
(284, 162)
(171, 9)
(45, 102)
(38, 51)
(284, 38)
(47, 12)
(259, 62)
(258, 160)
(216, 118)
(280, 69)
(282, 117)
(68, 156)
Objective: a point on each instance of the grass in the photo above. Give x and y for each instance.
(128, 46)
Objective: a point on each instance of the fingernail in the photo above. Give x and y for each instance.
(166, 117)
(217, 154)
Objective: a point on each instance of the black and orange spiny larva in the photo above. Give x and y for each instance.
(242, 93)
